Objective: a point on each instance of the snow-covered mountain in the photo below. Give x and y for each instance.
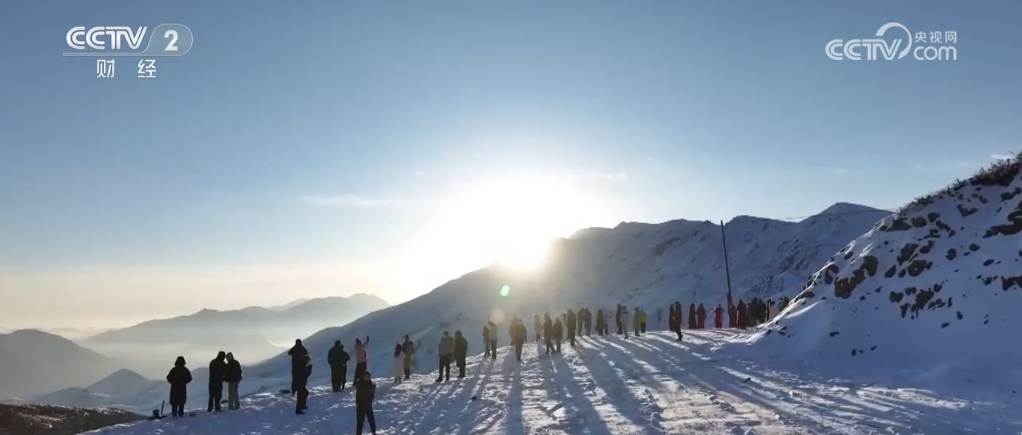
(634, 263)
(250, 333)
(34, 362)
(929, 292)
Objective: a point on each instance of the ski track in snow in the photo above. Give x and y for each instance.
(647, 385)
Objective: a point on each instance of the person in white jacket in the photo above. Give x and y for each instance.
(626, 319)
(399, 363)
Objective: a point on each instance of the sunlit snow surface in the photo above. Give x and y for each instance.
(649, 385)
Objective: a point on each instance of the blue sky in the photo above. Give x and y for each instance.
(304, 149)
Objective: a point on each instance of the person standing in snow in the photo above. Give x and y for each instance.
(636, 316)
(771, 310)
(601, 322)
(486, 339)
(217, 366)
(361, 357)
(701, 313)
(626, 319)
(548, 333)
(518, 336)
(297, 353)
(732, 316)
(671, 320)
(302, 382)
(693, 320)
(718, 314)
(537, 323)
(679, 315)
(338, 360)
(642, 321)
(408, 349)
(460, 352)
(365, 394)
(232, 375)
(493, 340)
(399, 363)
(179, 377)
(446, 351)
(571, 327)
(617, 318)
(742, 315)
(558, 335)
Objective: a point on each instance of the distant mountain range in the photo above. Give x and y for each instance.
(250, 333)
(34, 362)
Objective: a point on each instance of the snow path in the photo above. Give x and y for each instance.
(603, 386)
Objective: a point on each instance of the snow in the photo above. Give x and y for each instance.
(928, 297)
(608, 385)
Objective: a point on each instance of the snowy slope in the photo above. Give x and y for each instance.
(929, 295)
(605, 386)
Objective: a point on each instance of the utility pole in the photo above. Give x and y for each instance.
(727, 268)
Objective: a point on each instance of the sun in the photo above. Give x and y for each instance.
(511, 222)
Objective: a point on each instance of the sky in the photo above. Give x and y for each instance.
(334, 147)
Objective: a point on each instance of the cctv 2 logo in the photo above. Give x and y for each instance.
(166, 40)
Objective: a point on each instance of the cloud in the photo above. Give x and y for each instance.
(620, 176)
(999, 156)
(346, 201)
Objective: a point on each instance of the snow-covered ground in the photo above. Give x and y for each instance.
(650, 385)
(930, 295)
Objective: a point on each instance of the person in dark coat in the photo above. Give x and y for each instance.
(743, 313)
(232, 376)
(732, 316)
(601, 321)
(537, 323)
(589, 323)
(572, 319)
(679, 316)
(460, 352)
(693, 320)
(302, 382)
(486, 339)
(179, 377)
(365, 394)
(701, 313)
(672, 320)
(518, 336)
(493, 340)
(548, 333)
(617, 319)
(217, 367)
(338, 360)
(297, 354)
(718, 317)
(558, 334)
(408, 348)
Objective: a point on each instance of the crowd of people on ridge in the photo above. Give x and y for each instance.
(550, 330)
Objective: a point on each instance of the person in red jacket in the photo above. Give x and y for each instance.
(701, 312)
(718, 314)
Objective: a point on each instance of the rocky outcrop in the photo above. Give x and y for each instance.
(947, 290)
(55, 420)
